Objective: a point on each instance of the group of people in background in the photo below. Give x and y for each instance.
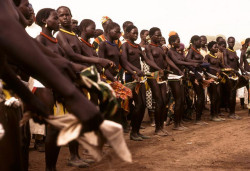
(161, 76)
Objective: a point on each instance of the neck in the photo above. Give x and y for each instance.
(232, 48)
(47, 31)
(84, 37)
(194, 47)
(132, 41)
(212, 53)
(154, 42)
(109, 39)
(143, 42)
(68, 28)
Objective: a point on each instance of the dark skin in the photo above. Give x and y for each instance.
(204, 43)
(231, 59)
(71, 45)
(112, 53)
(46, 95)
(132, 55)
(143, 42)
(214, 89)
(215, 63)
(42, 69)
(158, 55)
(176, 87)
(243, 58)
(195, 57)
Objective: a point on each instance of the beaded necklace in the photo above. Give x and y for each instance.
(54, 40)
(70, 33)
(112, 44)
(133, 45)
(152, 44)
(212, 55)
(195, 50)
(87, 43)
(230, 50)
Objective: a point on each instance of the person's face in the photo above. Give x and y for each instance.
(104, 25)
(24, 7)
(115, 33)
(74, 23)
(197, 43)
(143, 37)
(222, 47)
(53, 21)
(133, 34)
(231, 42)
(220, 39)
(64, 17)
(90, 30)
(214, 48)
(163, 41)
(156, 37)
(176, 43)
(203, 41)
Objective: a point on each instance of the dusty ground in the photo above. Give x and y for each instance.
(216, 146)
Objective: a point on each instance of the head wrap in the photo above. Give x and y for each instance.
(105, 19)
(242, 42)
(171, 33)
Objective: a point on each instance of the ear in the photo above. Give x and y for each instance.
(44, 21)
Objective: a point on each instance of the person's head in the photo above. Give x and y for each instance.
(172, 33)
(48, 18)
(105, 22)
(181, 48)
(174, 41)
(222, 45)
(144, 34)
(203, 41)
(65, 16)
(218, 39)
(231, 42)
(155, 35)
(247, 42)
(196, 41)
(132, 32)
(114, 31)
(98, 32)
(87, 27)
(74, 25)
(25, 9)
(163, 41)
(212, 47)
(126, 24)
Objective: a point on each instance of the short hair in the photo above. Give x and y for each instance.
(153, 30)
(210, 45)
(43, 14)
(111, 26)
(194, 38)
(129, 28)
(98, 32)
(203, 36)
(230, 38)
(85, 23)
(218, 38)
(126, 24)
(64, 7)
(172, 39)
(143, 32)
(247, 41)
(222, 43)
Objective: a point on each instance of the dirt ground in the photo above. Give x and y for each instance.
(216, 146)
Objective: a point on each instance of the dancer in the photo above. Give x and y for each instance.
(177, 87)
(132, 53)
(214, 87)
